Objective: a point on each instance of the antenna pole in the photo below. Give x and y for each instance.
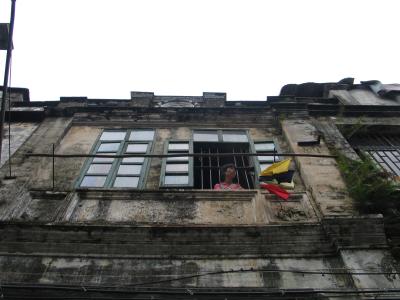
(6, 74)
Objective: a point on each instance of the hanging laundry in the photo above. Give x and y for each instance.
(287, 185)
(277, 168)
(274, 189)
(281, 177)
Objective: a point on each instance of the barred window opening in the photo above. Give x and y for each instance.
(383, 148)
(207, 170)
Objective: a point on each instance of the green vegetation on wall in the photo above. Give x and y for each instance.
(373, 190)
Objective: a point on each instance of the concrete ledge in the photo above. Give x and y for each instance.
(32, 238)
(166, 207)
(164, 195)
(163, 241)
(356, 231)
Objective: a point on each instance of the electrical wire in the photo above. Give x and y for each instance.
(178, 155)
(249, 270)
(332, 271)
(157, 298)
(280, 297)
(204, 291)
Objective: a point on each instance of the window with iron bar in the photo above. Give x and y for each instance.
(127, 172)
(383, 148)
(203, 172)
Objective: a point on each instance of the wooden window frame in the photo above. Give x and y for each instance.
(257, 163)
(112, 174)
(189, 162)
(219, 132)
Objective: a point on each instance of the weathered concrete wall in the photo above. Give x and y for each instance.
(233, 117)
(166, 207)
(320, 175)
(372, 260)
(78, 140)
(191, 207)
(102, 236)
(30, 172)
(280, 257)
(122, 237)
(166, 240)
(36, 173)
(361, 97)
(387, 121)
(333, 138)
(111, 271)
(204, 208)
(20, 132)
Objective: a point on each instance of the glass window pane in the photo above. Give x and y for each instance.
(131, 182)
(235, 137)
(113, 136)
(129, 169)
(142, 135)
(108, 147)
(267, 158)
(133, 160)
(93, 181)
(136, 148)
(176, 180)
(265, 146)
(264, 166)
(177, 168)
(178, 146)
(205, 136)
(99, 169)
(377, 157)
(178, 158)
(104, 159)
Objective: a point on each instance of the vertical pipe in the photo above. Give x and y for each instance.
(53, 168)
(6, 72)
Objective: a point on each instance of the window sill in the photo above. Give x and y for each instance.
(162, 195)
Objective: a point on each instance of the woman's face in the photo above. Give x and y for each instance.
(230, 173)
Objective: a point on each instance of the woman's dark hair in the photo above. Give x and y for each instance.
(224, 168)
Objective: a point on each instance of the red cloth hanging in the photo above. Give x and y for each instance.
(277, 190)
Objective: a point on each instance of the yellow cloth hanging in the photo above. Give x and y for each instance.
(277, 168)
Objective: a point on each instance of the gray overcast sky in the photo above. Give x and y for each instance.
(248, 49)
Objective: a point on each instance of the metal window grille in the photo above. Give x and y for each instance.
(207, 170)
(384, 149)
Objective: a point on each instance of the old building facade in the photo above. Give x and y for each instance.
(143, 220)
